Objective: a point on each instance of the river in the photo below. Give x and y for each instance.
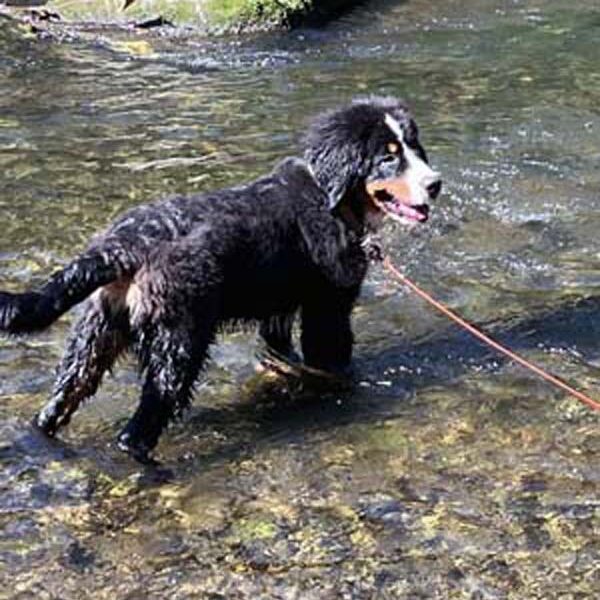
(447, 472)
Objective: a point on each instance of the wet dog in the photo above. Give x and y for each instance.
(164, 277)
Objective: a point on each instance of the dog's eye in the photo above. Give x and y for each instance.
(389, 158)
(393, 148)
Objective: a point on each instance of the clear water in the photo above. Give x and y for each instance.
(447, 473)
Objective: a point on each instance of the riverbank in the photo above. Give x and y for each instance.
(212, 16)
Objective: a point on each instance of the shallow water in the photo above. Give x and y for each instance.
(446, 473)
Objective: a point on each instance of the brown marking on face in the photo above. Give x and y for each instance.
(398, 188)
(393, 197)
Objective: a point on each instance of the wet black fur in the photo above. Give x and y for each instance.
(261, 252)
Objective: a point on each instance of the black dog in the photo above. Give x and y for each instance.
(165, 276)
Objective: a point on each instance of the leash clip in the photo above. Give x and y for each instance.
(373, 250)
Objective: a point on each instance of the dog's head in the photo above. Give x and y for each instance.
(369, 160)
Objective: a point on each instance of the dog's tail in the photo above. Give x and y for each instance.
(36, 310)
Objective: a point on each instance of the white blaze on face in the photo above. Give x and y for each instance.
(418, 174)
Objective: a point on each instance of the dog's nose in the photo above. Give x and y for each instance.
(434, 188)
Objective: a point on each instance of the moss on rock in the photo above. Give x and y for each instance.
(214, 15)
(232, 13)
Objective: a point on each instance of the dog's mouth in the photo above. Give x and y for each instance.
(396, 208)
(389, 198)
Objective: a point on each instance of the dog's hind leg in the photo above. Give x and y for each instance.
(172, 358)
(95, 342)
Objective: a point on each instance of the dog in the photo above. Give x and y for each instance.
(164, 277)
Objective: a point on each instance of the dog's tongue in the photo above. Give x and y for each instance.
(405, 210)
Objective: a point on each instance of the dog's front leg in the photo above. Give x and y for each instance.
(327, 334)
(276, 331)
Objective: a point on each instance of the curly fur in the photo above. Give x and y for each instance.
(164, 277)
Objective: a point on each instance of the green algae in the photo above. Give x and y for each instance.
(230, 13)
(254, 528)
(213, 15)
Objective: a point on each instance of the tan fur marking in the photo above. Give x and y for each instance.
(114, 293)
(398, 188)
(133, 300)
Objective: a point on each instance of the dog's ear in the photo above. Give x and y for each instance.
(341, 168)
(338, 154)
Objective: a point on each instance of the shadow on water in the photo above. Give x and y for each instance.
(270, 412)
(572, 331)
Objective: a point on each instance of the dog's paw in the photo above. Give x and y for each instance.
(137, 449)
(272, 362)
(48, 425)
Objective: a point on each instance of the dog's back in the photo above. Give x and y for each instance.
(141, 234)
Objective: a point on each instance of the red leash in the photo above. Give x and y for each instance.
(488, 340)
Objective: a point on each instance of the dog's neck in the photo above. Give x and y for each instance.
(355, 210)
(350, 219)
(350, 210)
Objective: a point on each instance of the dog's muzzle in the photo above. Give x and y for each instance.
(393, 197)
